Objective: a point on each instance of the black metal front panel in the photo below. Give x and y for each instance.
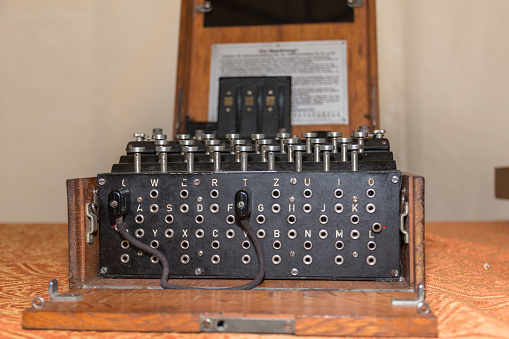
(330, 220)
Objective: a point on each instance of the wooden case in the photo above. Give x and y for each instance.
(304, 307)
(195, 53)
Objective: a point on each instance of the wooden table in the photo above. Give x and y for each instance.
(467, 278)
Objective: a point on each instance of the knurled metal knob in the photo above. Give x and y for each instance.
(317, 142)
(136, 149)
(379, 133)
(308, 137)
(183, 136)
(234, 143)
(334, 134)
(139, 136)
(231, 136)
(208, 136)
(210, 142)
(289, 143)
(161, 142)
(186, 143)
(360, 139)
(280, 136)
(159, 137)
(198, 133)
(334, 137)
(364, 128)
(164, 149)
(257, 136)
(360, 134)
(262, 144)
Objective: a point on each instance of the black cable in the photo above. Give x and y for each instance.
(244, 223)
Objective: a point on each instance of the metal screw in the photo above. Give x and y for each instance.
(200, 253)
(196, 182)
(102, 181)
(197, 271)
(355, 198)
(139, 199)
(104, 270)
(292, 254)
(292, 199)
(240, 204)
(206, 323)
(199, 199)
(355, 254)
(140, 253)
(293, 181)
(113, 203)
(394, 179)
(295, 271)
(394, 273)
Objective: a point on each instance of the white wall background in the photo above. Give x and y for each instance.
(77, 78)
(444, 85)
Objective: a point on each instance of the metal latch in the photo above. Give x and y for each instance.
(39, 302)
(402, 223)
(422, 306)
(92, 215)
(206, 7)
(247, 325)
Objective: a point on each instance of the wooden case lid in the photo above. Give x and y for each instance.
(195, 45)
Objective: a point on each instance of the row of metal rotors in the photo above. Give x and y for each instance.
(284, 143)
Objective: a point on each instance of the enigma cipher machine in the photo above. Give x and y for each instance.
(317, 234)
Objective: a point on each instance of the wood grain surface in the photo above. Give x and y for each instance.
(467, 280)
(314, 312)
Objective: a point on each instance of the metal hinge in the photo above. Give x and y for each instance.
(355, 3)
(206, 7)
(246, 325)
(93, 216)
(39, 302)
(422, 306)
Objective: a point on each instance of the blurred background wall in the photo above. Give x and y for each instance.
(77, 78)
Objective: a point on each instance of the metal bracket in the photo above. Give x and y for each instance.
(247, 325)
(402, 223)
(419, 303)
(91, 212)
(355, 3)
(206, 7)
(55, 296)
(39, 302)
